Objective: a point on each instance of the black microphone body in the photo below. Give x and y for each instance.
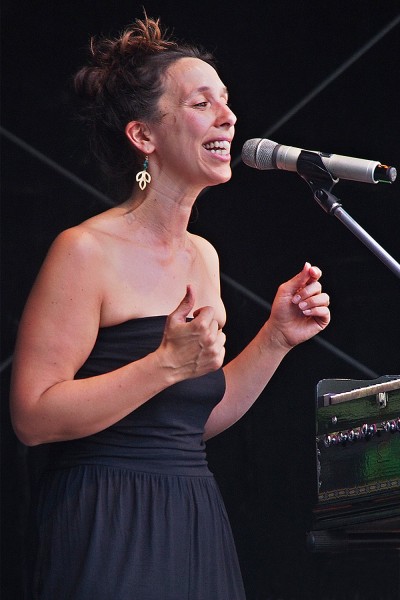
(265, 154)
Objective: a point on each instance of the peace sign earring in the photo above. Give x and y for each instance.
(143, 177)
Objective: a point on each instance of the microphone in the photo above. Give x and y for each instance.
(265, 154)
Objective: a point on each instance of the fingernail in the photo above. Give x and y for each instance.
(303, 305)
(296, 299)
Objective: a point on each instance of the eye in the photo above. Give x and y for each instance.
(203, 104)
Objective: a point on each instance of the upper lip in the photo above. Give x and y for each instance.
(218, 139)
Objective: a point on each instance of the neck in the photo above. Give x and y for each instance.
(164, 215)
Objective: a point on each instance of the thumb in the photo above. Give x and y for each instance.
(181, 312)
(301, 279)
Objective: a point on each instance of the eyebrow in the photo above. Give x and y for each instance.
(205, 88)
(201, 89)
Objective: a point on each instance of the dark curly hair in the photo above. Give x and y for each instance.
(122, 82)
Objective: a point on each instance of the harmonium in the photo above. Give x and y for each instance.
(357, 465)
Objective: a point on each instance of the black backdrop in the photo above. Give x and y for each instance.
(310, 74)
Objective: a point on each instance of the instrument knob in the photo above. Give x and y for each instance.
(327, 441)
(371, 431)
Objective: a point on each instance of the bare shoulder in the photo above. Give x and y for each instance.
(206, 249)
(69, 285)
(77, 243)
(73, 268)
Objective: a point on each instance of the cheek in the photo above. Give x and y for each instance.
(200, 123)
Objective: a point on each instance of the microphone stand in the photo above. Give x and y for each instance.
(311, 168)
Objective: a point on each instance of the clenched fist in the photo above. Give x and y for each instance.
(191, 348)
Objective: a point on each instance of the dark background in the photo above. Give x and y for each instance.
(265, 225)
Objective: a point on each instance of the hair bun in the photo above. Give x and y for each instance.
(146, 37)
(108, 57)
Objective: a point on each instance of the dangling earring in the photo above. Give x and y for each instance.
(143, 177)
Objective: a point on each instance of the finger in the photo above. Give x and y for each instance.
(301, 279)
(210, 337)
(315, 273)
(311, 289)
(203, 316)
(218, 350)
(206, 332)
(180, 314)
(206, 329)
(221, 339)
(321, 314)
(314, 302)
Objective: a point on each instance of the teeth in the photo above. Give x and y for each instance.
(219, 146)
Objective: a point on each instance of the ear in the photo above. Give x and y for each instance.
(139, 136)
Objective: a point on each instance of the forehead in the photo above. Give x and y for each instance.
(187, 75)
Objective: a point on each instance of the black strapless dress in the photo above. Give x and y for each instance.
(133, 512)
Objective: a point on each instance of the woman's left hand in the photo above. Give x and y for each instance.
(300, 309)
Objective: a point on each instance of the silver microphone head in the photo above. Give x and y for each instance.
(258, 153)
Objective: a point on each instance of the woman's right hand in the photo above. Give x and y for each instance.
(191, 348)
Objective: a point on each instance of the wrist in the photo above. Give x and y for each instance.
(158, 369)
(164, 368)
(274, 339)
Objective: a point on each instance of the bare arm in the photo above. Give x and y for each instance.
(57, 332)
(291, 322)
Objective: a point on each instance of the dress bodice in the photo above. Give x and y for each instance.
(166, 432)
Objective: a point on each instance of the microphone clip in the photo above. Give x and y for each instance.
(311, 168)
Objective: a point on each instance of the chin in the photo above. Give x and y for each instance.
(222, 177)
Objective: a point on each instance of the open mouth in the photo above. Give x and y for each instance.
(221, 147)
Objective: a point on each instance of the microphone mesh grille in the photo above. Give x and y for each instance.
(258, 153)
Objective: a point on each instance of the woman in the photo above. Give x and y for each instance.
(119, 356)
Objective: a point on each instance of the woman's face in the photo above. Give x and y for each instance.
(192, 138)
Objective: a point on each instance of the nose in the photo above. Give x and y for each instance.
(226, 117)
